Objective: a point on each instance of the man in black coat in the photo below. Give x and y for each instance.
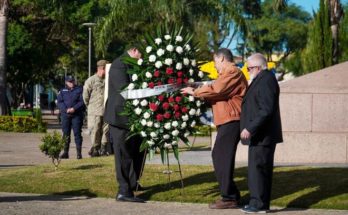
(128, 159)
(261, 130)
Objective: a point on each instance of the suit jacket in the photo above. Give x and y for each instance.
(260, 111)
(118, 79)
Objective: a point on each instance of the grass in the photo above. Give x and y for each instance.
(300, 187)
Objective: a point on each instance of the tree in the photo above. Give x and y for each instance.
(336, 13)
(343, 36)
(4, 6)
(318, 51)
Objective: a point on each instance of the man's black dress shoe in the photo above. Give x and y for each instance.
(124, 198)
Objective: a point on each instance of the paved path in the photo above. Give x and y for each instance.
(14, 203)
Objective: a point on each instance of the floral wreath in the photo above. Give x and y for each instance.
(162, 120)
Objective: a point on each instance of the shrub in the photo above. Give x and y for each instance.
(21, 124)
(51, 146)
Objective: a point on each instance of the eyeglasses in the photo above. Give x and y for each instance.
(251, 67)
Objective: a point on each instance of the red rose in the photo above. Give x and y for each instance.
(171, 99)
(165, 105)
(160, 98)
(159, 117)
(179, 81)
(184, 110)
(178, 99)
(169, 71)
(176, 107)
(156, 73)
(159, 83)
(151, 85)
(179, 74)
(153, 107)
(185, 80)
(170, 80)
(177, 114)
(167, 115)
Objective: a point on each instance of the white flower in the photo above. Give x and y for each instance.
(191, 80)
(175, 133)
(185, 117)
(187, 47)
(153, 134)
(170, 48)
(158, 41)
(140, 61)
(183, 125)
(186, 61)
(148, 49)
(191, 98)
(167, 37)
(146, 116)
(198, 103)
(178, 66)
(148, 75)
(152, 58)
(143, 103)
(191, 72)
(192, 112)
(131, 86)
(179, 49)
(166, 136)
(168, 61)
(160, 52)
(198, 112)
(149, 124)
(135, 102)
(178, 38)
(193, 123)
(175, 124)
(150, 142)
(143, 122)
(167, 145)
(143, 134)
(134, 77)
(157, 125)
(137, 111)
(167, 126)
(200, 74)
(187, 134)
(158, 64)
(174, 143)
(144, 85)
(193, 62)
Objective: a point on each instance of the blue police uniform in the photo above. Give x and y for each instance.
(71, 98)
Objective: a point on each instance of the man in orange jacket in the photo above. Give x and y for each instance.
(225, 95)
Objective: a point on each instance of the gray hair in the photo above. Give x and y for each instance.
(259, 60)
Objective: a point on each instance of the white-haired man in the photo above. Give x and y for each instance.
(261, 130)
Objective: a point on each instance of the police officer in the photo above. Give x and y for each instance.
(71, 106)
(93, 96)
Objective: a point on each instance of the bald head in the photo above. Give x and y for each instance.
(258, 60)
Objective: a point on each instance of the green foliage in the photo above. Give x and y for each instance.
(318, 52)
(21, 124)
(51, 146)
(343, 36)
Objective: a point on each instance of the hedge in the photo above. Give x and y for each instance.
(21, 124)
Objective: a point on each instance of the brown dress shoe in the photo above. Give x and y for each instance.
(224, 204)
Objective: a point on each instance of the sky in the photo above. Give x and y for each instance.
(308, 5)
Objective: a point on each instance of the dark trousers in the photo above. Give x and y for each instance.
(260, 172)
(73, 122)
(128, 159)
(224, 154)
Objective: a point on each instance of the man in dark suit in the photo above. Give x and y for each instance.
(261, 130)
(128, 159)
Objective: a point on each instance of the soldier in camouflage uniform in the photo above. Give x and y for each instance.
(93, 96)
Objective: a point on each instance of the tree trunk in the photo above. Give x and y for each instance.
(3, 31)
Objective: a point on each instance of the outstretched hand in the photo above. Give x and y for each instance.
(187, 90)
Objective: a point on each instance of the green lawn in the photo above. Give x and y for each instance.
(301, 187)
